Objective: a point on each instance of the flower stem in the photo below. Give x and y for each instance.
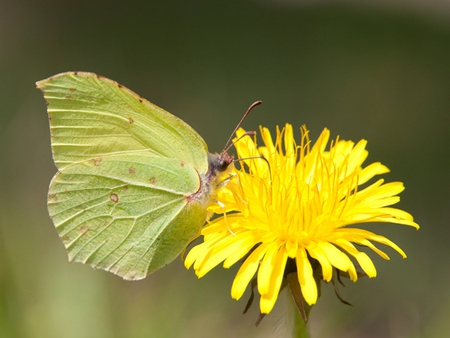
(297, 327)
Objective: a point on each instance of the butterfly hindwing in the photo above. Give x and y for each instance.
(126, 213)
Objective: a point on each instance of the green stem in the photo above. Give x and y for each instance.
(295, 323)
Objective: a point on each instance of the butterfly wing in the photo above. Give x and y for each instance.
(128, 214)
(126, 169)
(92, 116)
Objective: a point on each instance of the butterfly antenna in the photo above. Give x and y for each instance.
(255, 157)
(247, 133)
(229, 144)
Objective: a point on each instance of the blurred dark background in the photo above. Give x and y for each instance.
(379, 72)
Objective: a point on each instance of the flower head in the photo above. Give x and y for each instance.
(298, 202)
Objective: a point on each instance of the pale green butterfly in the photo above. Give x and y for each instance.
(133, 180)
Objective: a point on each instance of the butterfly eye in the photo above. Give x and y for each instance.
(223, 165)
(224, 162)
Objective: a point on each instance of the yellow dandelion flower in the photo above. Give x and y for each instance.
(298, 203)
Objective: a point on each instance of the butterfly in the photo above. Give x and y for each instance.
(133, 181)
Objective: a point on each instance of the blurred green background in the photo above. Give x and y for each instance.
(376, 72)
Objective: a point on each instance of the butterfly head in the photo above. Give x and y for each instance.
(219, 163)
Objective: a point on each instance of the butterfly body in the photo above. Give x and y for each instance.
(133, 181)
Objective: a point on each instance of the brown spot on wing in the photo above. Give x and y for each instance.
(131, 171)
(113, 197)
(130, 119)
(84, 229)
(97, 161)
(153, 180)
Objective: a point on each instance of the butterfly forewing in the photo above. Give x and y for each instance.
(92, 116)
